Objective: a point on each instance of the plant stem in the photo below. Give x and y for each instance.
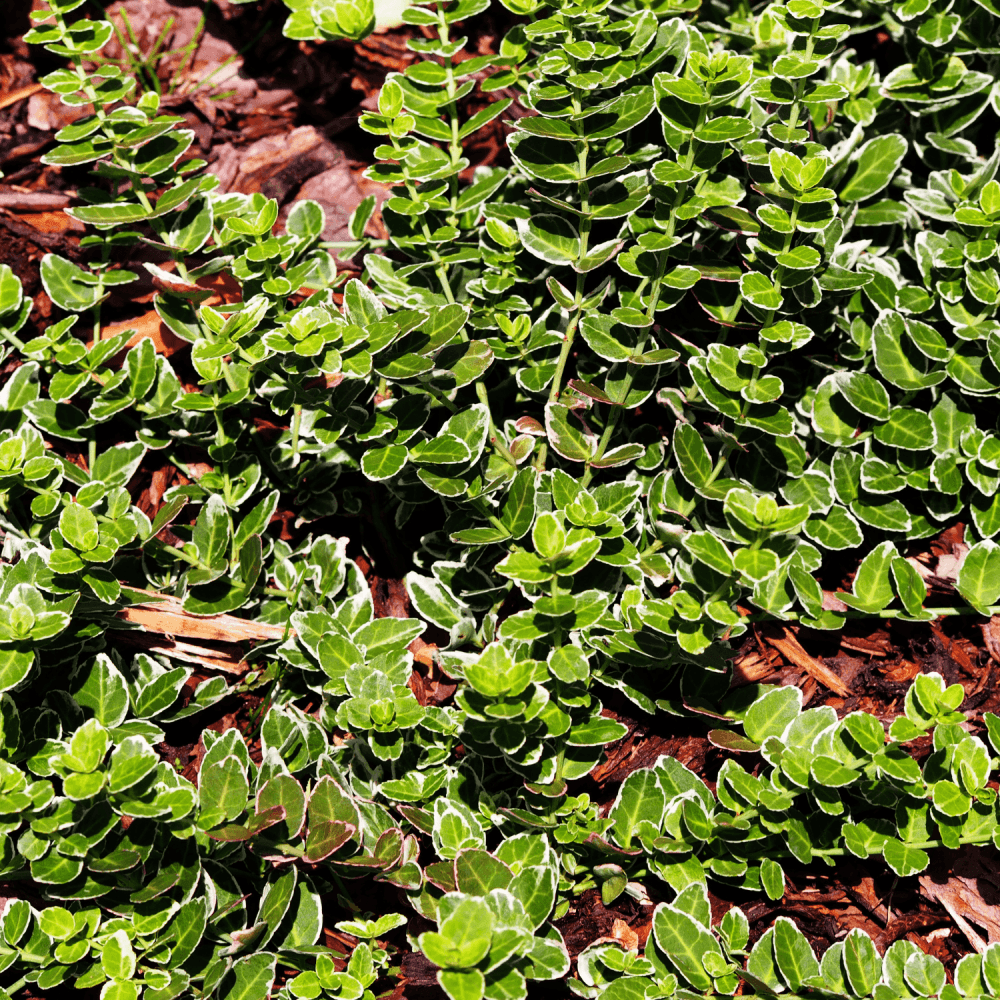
(440, 270)
(181, 554)
(792, 616)
(440, 397)
(495, 437)
(455, 144)
(567, 347)
(615, 415)
(296, 425)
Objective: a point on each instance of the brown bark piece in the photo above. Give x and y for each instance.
(337, 190)
(967, 885)
(165, 616)
(589, 920)
(961, 899)
(147, 327)
(227, 657)
(276, 165)
(47, 113)
(991, 637)
(792, 650)
(23, 200)
(752, 667)
(13, 96)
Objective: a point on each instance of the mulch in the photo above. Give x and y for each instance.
(287, 126)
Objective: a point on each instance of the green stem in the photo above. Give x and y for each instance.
(455, 144)
(609, 428)
(227, 374)
(296, 426)
(440, 397)
(15, 341)
(293, 602)
(440, 270)
(980, 840)
(791, 616)
(181, 554)
(567, 347)
(495, 437)
(719, 465)
(96, 311)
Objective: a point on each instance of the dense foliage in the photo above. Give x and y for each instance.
(729, 313)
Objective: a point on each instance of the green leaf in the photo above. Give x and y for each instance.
(469, 984)
(831, 773)
(251, 978)
(15, 665)
(131, 761)
(872, 589)
(838, 529)
(793, 954)
(596, 732)
(518, 512)
(477, 872)
(640, 797)
(761, 964)
(551, 238)
(772, 878)
(909, 586)
(906, 428)
(544, 158)
(979, 577)
(464, 936)
(771, 713)
(692, 456)
(686, 943)
(861, 962)
(445, 449)
(55, 869)
(925, 974)
(379, 464)
(433, 601)
(223, 786)
(99, 686)
(116, 465)
(897, 361)
(568, 435)
(535, 888)
(876, 162)
(705, 546)
(950, 800)
(903, 859)
(256, 522)
(326, 837)
(724, 129)
(866, 731)
(79, 527)
(187, 929)
(118, 957)
(110, 215)
(87, 747)
(275, 902)
(866, 394)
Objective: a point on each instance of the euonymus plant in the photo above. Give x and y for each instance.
(726, 320)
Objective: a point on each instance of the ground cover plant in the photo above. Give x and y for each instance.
(709, 350)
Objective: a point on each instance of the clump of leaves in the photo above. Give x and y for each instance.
(729, 312)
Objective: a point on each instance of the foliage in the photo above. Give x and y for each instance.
(729, 312)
